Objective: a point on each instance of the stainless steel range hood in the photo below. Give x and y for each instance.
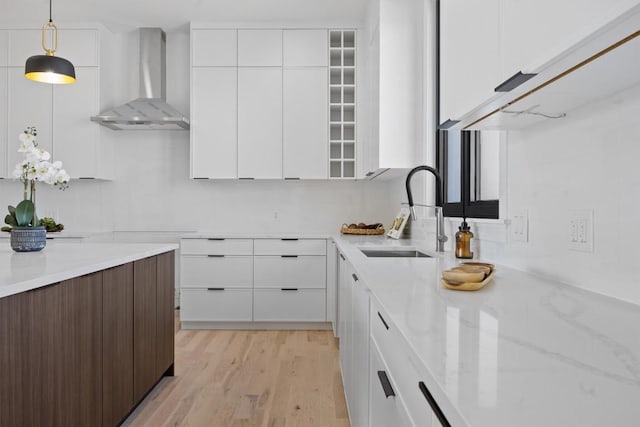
(150, 111)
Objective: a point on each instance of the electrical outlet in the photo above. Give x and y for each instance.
(520, 227)
(581, 230)
(276, 216)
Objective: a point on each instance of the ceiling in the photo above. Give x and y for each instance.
(122, 15)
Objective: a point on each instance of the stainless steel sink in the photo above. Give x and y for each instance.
(394, 253)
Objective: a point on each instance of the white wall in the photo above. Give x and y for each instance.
(587, 161)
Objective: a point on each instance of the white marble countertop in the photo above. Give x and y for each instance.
(523, 351)
(62, 260)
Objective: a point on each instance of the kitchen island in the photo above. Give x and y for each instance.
(86, 330)
(523, 351)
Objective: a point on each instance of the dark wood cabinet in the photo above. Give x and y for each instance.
(51, 354)
(165, 319)
(12, 340)
(117, 344)
(144, 326)
(85, 351)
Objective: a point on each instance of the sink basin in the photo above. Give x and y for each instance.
(394, 253)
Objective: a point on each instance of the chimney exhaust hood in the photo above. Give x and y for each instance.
(150, 111)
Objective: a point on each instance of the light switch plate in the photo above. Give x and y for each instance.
(581, 230)
(520, 227)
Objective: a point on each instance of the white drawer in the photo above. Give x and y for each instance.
(203, 305)
(402, 364)
(216, 246)
(290, 271)
(203, 271)
(290, 246)
(385, 411)
(304, 305)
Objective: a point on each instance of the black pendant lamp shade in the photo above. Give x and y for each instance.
(49, 68)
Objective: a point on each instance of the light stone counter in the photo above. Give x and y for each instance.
(523, 351)
(62, 260)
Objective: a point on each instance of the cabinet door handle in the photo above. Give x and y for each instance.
(355, 278)
(513, 82)
(289, 239)
(246, 177)
(291, 178)
(383, 322)
(434, 405)
(288, 256)
(215, 256)
(288, 289)
(215, 238)
(342, 257)
(386, 384)
(215, 289)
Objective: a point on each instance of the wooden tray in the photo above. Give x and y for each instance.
(470, 286)
(363, 231)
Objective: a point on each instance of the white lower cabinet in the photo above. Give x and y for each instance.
(221, 304)
(289, 304)
(292, 271)
(261, 280)
(386, 406)
(385, 384)
(354, 343)
(402, 366)
(206, 271)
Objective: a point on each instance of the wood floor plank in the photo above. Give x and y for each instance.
(249, 378)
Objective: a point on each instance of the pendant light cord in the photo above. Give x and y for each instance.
(50, 20)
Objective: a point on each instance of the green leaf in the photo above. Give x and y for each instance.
(12, 210)
(10, 220)
(24, 213)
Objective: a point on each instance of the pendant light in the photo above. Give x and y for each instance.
(49, 68)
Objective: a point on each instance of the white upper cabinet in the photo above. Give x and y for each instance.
(4, 167)
(214, 122)
(305, 123)
(260, 123)
(395, 55)
(80, 46)
(29, 104)
(214, 48)
(3, 47)
(542, 38)
(524, 47)
(469, 64)
(305, 48)
(259, 48)
(76, 140)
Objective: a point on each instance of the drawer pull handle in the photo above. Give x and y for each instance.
(355, 278)
(215, 256)
(288, 289)
(342, 257)
(289, 239)
(383, 322)
(434, 405)
(215, 289)
(215, 238)
(289, 256)
(386, 384)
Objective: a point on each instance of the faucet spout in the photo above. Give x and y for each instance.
(440, 236)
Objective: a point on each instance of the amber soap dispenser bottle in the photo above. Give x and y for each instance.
(463, 241)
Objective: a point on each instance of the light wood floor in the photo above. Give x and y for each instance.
(249, 378)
